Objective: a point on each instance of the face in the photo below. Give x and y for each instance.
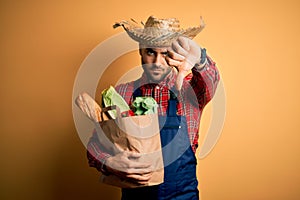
(154, 63)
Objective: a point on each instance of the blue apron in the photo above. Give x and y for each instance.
(180, 182)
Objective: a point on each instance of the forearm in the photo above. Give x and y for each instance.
(95, 154)
(204, 81)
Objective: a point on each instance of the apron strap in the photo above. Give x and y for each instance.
(172, 103)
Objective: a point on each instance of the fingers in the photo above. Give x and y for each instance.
(173, 58)
(184, 43)
(126, 161)
(177, 48)
(141, 179)
(133, 160)
(173, 55)
(135, 178)
(173, 62)
(181, 46)
(178, 52)
(130, 166)
(141, 176)
(132, 155)
(136, 165)
(139, 171)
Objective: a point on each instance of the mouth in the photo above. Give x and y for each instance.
(156, 70)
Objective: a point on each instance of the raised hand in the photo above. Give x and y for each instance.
(183, 54)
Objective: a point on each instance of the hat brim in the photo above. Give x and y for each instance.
(164, 38)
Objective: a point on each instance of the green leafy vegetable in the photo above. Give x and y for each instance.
(144, 105)
(111, 97)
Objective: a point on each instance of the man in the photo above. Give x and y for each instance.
(182, 79)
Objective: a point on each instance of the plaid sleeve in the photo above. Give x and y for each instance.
(95, 154)
(204, 82)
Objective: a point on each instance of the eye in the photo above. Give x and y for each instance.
(150, 52)
(164, 54)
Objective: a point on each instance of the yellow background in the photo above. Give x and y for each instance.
(255, 44)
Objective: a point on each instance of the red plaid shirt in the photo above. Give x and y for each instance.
(197, 90)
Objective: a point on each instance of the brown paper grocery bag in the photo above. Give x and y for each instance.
(137, 134)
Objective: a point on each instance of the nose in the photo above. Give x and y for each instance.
(159, 60)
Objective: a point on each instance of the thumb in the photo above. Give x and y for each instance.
(179, 80)
(132, 155)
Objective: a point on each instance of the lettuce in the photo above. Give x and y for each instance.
(144, 105)
(111, 97)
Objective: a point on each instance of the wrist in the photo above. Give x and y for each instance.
(104, 167)
(203, 60)
(184, 73)
(203, 57)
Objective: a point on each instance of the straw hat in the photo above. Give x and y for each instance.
(158, 32)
